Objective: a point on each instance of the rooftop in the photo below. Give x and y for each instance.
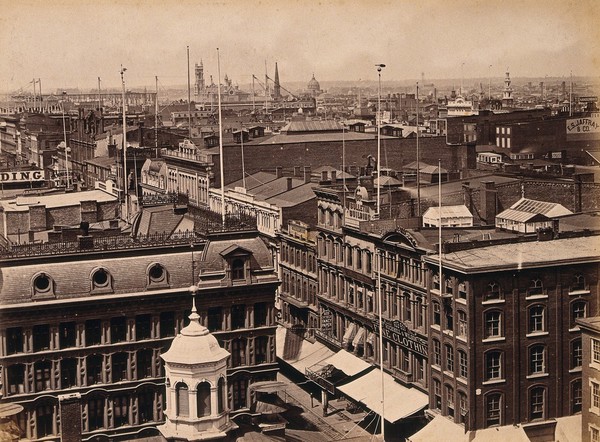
(522, 255)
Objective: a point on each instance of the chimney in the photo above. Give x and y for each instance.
(289, 183)
(297, 171)
(324, 175)
(279, 171)
(333, 176)
(467, 200)
(307, 174)
(488, 201)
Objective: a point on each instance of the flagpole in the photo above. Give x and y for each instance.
(221, 141)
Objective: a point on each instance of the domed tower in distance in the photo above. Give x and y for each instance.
(196, 382)
(314, 88)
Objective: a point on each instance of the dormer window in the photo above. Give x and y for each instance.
(42, 286)
(101, 281)
(238, 269)
(158, 276)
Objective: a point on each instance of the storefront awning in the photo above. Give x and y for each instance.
(440, 428)
(400, 401)
(349, 333)
(268, 386)
(308, 354)
(348, 363)
(358, 339)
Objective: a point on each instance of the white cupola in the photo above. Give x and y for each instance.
(196, 383)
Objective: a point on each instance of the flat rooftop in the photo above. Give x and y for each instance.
(22, 203)
(522, 255)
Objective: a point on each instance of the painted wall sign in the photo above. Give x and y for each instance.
(400, 334)
(583, 128)
(24, 176)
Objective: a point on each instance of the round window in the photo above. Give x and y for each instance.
(100, 278)
(42, 283)
(157, 273)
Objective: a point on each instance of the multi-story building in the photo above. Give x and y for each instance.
(83, 326)
(505, 348)
(590, 378)
(299, 284)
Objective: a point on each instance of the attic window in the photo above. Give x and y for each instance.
(157, 276)
(101, 281)
(42, 285)
(238, 269)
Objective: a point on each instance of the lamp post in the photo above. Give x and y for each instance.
(379, 68)
(65, 139)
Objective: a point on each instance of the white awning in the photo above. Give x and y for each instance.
(440, 428)
(399, 401)
(347, 362)
(308, 355)
(349, 333)
(501, 434)
(358, 339)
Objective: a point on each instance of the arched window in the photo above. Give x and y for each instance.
(121, 410)
(95, 413)
(182, 400)
(493, 407)
(44, 419)
(221, 395)
(493, 365)
(536, 403)
(203, 399)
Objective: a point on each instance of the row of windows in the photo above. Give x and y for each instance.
(203, 400)
(298, 258)
(305, 291)
(127, 409)
(494, 290)
(537, 360)
(123, 329)
(101, 281)
(536, 403)
(450, 399)
(447, 361)
(536, 323)
(79, 372)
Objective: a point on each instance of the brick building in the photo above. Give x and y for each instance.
(590, 379)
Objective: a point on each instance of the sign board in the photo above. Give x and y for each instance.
(583, 128)
(24, 176)
(591, 99)
(400, 334)
(326, 320)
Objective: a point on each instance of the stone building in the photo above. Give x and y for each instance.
(92, 323)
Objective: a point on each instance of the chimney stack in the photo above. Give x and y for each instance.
(289, 183)
(279, 171)
(307, 174)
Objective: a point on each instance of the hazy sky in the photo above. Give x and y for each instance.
(69, 43)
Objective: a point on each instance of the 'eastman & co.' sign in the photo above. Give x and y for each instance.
(400, 334)
(24, 176)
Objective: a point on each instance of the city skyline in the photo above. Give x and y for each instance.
(71, 44)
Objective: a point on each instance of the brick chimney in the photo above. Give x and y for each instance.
(290, 185)
(279, 171)
(307, 174)
(487, 200)
(333, 176)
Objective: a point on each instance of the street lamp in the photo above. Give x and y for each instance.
(379, 68)
(64, 93)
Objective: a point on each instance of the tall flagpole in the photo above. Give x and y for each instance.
(124, 146)
(418, 160)
(440, 222)
(243, 165)
(379, 67)
(189, 96)
(156, 118)
(221, 141)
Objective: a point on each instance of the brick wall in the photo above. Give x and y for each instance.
(395, 153)
(37, 218)
(63, 216)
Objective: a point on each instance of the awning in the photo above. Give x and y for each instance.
(358, 339)
(568, 428)
(308, 355)
(349, 333)
(347, 362)
(268, 386)
(440, 428)
(401, 401)
(501, 434)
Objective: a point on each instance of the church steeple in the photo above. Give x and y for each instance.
(277, 86)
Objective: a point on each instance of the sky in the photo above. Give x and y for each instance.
(70, 43)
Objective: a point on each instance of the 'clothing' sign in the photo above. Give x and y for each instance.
(400, 334)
